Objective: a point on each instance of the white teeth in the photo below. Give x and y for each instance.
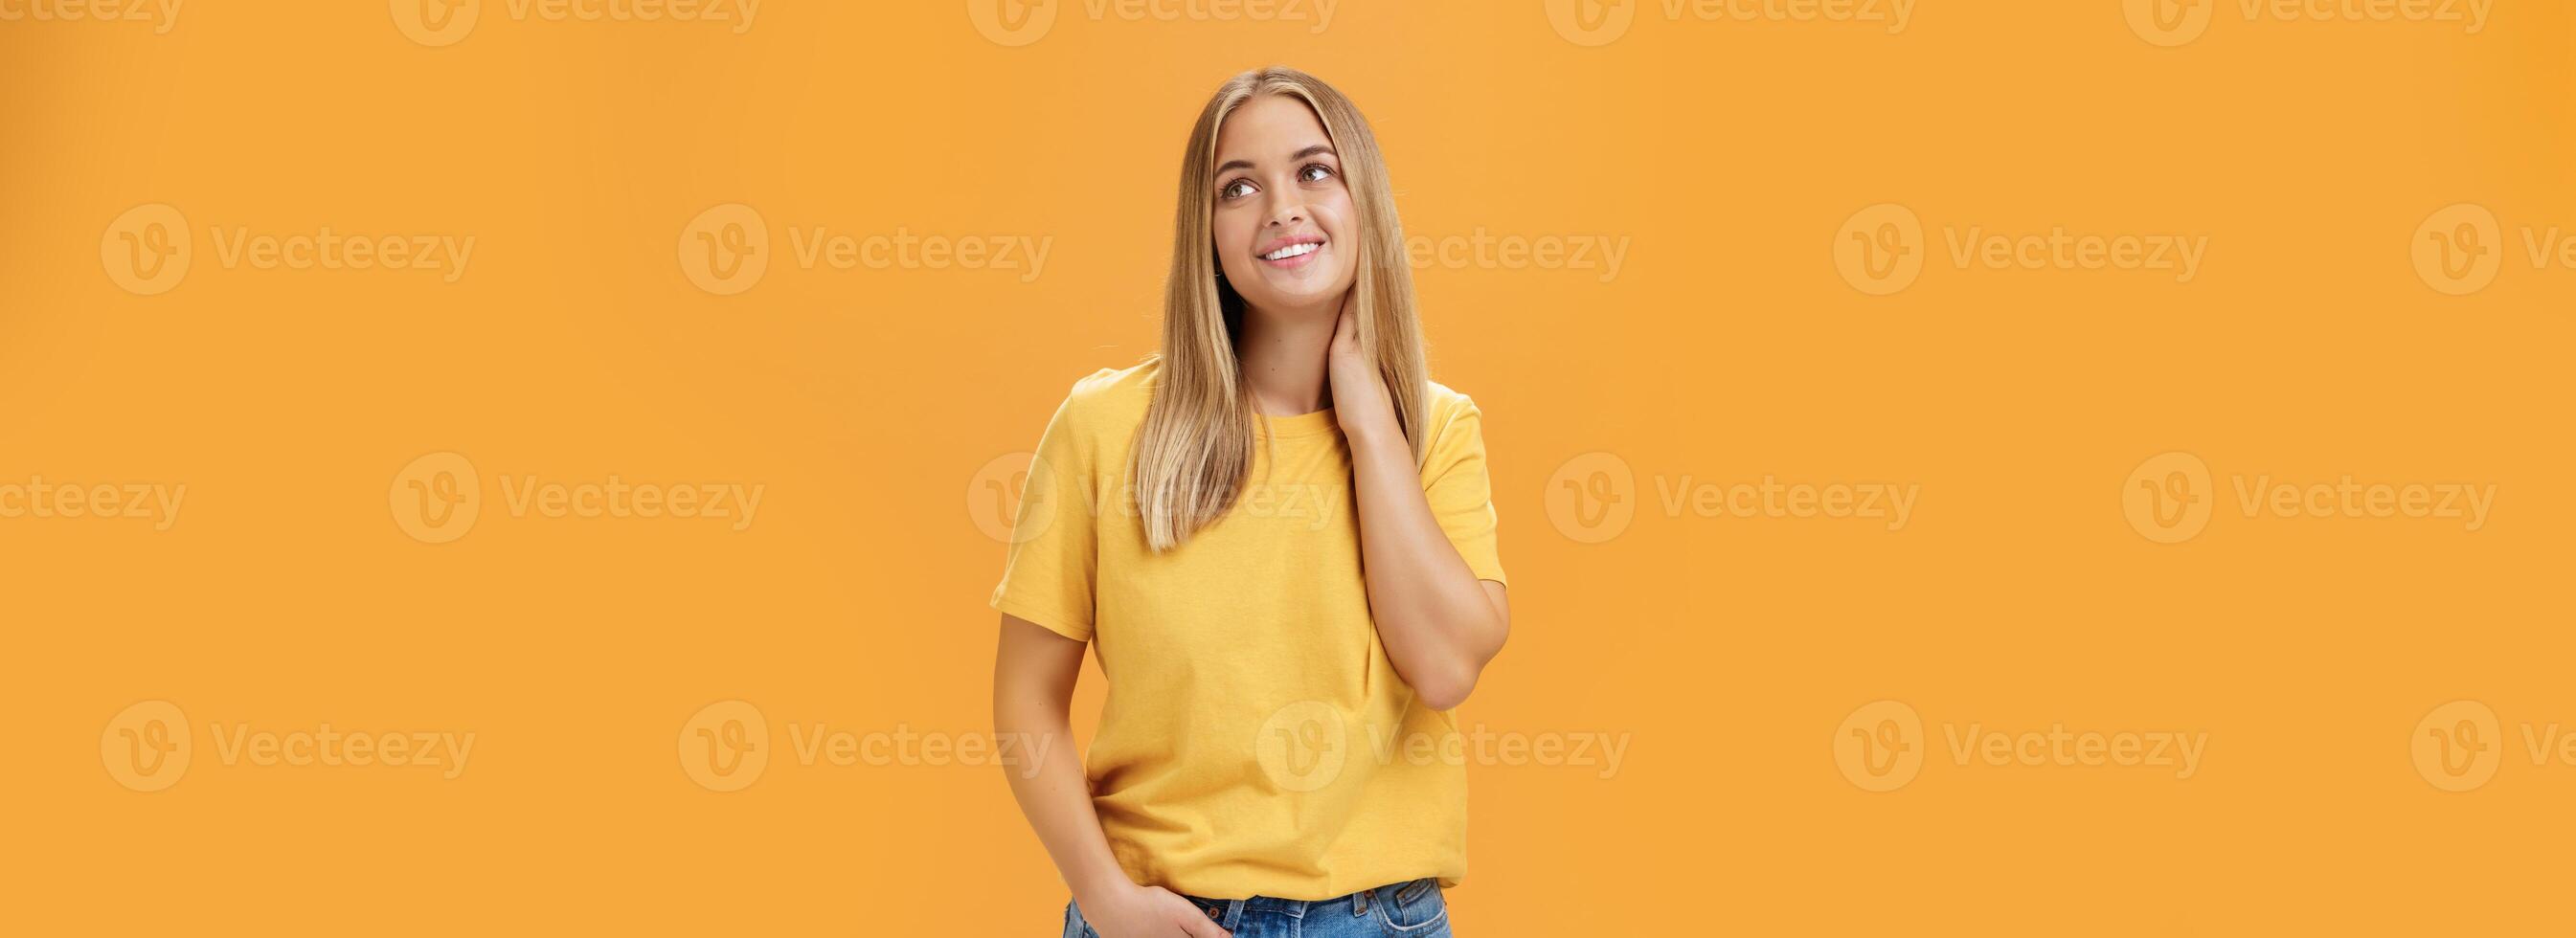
(1293, 250)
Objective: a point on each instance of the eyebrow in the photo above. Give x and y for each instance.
(1232, 165)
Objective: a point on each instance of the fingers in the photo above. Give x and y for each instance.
(1194, 920)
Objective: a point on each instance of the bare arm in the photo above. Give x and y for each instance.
(1440, 624)
(1034, 671)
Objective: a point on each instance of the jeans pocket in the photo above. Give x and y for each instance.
(1417, 908)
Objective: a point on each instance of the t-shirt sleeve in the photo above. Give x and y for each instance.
(1054, 548)
(1461, 497)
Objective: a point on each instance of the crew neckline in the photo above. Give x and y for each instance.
(1314, 423)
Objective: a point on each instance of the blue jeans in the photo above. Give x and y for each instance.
(1408, 910)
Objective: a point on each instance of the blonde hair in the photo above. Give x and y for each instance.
(1194, 450)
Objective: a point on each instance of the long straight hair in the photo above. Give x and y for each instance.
(1194, 451)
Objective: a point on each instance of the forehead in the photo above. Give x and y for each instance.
(1268, 125)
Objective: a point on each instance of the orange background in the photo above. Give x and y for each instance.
(866, 402)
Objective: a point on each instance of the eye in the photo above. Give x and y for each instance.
(1235, 190)
(1314, 172)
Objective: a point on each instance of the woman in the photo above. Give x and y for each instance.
(1279, 537)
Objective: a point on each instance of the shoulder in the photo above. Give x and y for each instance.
(1111, 400)
(1453, 419)
(1446, 403)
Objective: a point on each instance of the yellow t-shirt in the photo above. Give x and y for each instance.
(1255, 739)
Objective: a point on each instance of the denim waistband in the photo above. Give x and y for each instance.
(1227, 911)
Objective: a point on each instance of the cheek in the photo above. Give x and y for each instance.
(1233, 239)
(1341, 224)
(1233, 231)
(1339, 221)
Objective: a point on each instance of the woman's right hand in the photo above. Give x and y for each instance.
(1147, 912)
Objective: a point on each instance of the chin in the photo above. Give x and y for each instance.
(1301, 296)
(1305, 300)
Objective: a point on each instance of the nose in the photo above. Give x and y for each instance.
(1288, 211)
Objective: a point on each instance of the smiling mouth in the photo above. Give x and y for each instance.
(1292, 252)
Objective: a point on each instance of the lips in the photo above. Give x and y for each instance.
(1290, 250)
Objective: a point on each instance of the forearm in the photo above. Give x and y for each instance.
(1052, 793)
(1438, 621)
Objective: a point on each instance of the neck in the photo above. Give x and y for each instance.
(1283, 356)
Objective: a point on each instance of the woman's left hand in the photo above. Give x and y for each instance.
(1360, 401)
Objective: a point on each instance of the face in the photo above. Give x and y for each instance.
(1286, 235)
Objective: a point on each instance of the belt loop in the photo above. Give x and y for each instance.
(1359, 903)
(1233, 914)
